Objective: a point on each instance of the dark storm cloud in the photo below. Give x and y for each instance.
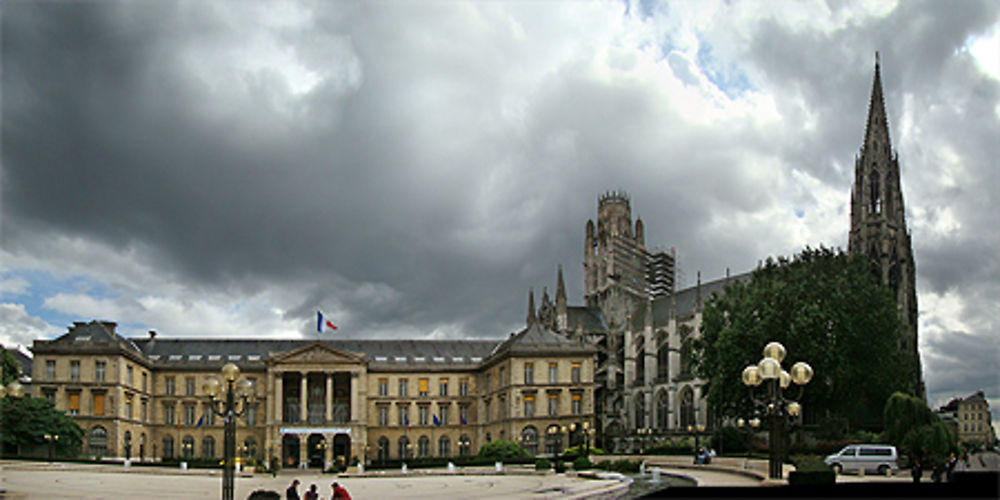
(436, 165)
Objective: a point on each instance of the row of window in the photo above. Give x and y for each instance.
(972, 416)
(191, 415)
(576, 406)
(423, 384)
(972, 428)
(423, 387)
(529, 374)
(424, 416)
(405, 449)
(100, 375)
(100, 405)
(100, 372)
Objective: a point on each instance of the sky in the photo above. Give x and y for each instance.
(413, 168)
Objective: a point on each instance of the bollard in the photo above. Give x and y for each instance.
(361, 468)
(498, 466)
(451, 467)
(404, 468)
(656, 476)
(184, 466)
(861, 471)
(128, 463)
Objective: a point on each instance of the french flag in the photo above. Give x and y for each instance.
(320, 323)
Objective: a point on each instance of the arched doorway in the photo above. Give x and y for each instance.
(383, 449)
(342, 449)
(529, 439)
(316, 445)
(98, 442)
(290, 451)
(128, 444)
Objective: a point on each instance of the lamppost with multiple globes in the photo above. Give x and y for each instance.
(588, 433)
(697, 430)
(226, 408)
(778, 409)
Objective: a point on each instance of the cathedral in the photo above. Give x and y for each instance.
(643, 327)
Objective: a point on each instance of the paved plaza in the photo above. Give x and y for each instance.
(80, 482)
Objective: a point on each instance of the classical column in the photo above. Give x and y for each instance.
(355, 415)
(303, 398)
(329, 397)
(279, 398)
(303, 450)
(328, 452)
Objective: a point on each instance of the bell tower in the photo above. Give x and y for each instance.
(878, 221)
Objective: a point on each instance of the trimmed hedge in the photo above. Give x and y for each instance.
(582, 463)
(543, 464)
(624, 466)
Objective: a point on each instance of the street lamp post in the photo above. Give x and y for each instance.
(227, 410)
(51, 440)
(749, 427)
(774, 404)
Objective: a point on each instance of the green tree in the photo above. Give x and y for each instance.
(11, 369)
(916, 430)
(26, 421)
(828, 309)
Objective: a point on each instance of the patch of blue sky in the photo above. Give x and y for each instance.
(729, 78)
(43, 285)
(651, 8)
(799, 213)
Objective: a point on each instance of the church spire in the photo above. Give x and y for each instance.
(562, 316)
(531, 307)
(877, 128)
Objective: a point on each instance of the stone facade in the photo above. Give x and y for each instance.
(316, 403)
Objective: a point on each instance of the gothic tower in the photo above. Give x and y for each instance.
(615, 254)
(878, 221)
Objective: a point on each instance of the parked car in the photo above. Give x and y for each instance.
(880, 458)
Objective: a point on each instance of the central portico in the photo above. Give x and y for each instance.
(315, 411)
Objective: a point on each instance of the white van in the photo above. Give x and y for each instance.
(880, 458)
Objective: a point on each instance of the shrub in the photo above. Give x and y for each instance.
(808, 463)
(504, 451)
(582, 463)
(543, 464)
(578, 451)
(729, 439)
(560, 466)
(264, 495)
(624, 466)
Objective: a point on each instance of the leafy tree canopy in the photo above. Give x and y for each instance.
(828, 309)
(916, 430)
(26, 421)
(9, 366)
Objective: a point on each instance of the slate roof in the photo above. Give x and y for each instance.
(536, 338)
(23, 361)
(685, 300)
(206, 352)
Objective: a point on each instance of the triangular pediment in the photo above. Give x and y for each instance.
(316, 353)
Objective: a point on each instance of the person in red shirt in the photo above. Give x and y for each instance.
(340, 493)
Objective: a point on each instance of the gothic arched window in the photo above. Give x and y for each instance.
(875, 194)
(662, 409)
(687, 407)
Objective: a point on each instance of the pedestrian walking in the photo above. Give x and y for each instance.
(339, 492)
(916, 471)
(952, 463)
(292, 493)
(312, 494)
